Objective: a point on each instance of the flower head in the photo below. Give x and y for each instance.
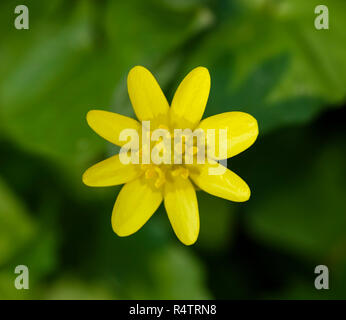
(162, 178)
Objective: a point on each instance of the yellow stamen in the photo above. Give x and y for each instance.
(149, 173)
(161, 177)
(183, 172)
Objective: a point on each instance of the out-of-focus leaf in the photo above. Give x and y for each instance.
(300, 203)
(216, 222)
(134, 267)
(40, 256)
(300, 288)
(72, 288)
(39, 106)
(16, 226)
(267, 58)
(144, 32)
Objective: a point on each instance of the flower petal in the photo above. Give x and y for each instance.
(242, 131)
(108, 125)
(182, 209)
(147, 98)
(136, 203)
(110, 172)
(226, 185)
(190, 99)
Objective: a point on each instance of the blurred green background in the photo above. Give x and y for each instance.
(265, 57)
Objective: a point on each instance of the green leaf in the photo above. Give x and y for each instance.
(177, 275)
(69, 63)
(151, 264)
(69, 287)
(299, 204)
(267, 58)
(216, 222)
(16, 225)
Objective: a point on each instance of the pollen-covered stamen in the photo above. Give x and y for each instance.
(149, 173)
(154, 172)
(160, 177)
(181, 171)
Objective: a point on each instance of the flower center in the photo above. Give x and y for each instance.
(159, 172)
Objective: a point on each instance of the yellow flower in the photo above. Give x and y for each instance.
(147, 185)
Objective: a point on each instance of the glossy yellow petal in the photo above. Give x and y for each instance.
(182, 209)
(108, 125)
(136, 203)
(242, 131)
(227, 185)
(190, 99)
(147, 98)
(110, 172)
